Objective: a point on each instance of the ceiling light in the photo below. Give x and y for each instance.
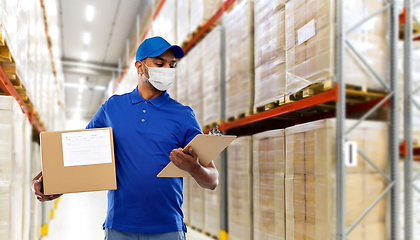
(79, 96)
(78, 103)
(84, 56)
(100, 88)
(80, 89)
(89, 13)
(81, 80)
(86, 38)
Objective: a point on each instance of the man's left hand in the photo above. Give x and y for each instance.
(187, 162)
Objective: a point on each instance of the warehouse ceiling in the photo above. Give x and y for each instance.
(93, 36)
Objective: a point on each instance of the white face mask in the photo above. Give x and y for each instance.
(161, 78)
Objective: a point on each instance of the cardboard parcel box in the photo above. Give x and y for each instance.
(78, 161)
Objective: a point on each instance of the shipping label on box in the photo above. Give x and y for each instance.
(78, 161)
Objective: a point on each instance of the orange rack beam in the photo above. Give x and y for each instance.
(274, 118)
(206, 27)
(324, 97)
(10, 90)
(226, 4)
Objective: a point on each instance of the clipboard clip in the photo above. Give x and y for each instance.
(215, 131)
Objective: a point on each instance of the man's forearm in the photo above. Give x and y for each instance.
(206, 177)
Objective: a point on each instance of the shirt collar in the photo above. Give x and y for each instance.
(157, 102)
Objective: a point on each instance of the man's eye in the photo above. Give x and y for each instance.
(159, 64)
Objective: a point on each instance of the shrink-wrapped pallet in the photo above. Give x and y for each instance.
(415, 112)
(165, 22)
(35, 233)
(182, 20)
(6, 148)
(187, 202)
(211, 77)
(270, 54)
(310, 181)
(268, 185)
(212, 203)
(196, 204)
(195, 82)
(172, 91)
(182, 81)
(201, 11)
(23, 28)
(416, 201)
(240, 59)
(310, 43)
(11, 170)
(240, 223)
(28, 195)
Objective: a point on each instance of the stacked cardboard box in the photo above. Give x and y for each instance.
(186, 204)
(240, 223)
(14, 190)
(182, 81)
(165, 22)
(201, 11)
(35, 226)
(32, 62)
(6, 166)
(240, 59)
(211, 76)
(416, 200)
(172, 91)
(196, 204)
(28, 195)
(416, 85)
(310, 43)
(183, 20)
(212, 203)
(268, 185)
(195, 81)
(310, 181)
(270, 54)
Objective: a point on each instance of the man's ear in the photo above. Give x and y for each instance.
(139, 67)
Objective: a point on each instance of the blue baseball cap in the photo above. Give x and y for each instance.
(155, 46)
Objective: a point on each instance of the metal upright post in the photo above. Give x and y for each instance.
(408, 133)
(341, 118)
(393, 126)
(224, 170)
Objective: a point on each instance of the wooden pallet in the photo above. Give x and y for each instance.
(270, 105)
(186, 41)
(241, 115)
(195, 32)
(213, 124)
(354, 94)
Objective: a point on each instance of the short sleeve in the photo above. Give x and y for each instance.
(99, 120)
(191, 129)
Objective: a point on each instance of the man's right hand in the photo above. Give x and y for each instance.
(38, 189)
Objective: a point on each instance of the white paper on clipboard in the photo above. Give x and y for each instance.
(207, 147)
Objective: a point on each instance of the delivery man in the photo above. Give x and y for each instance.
(150, 129)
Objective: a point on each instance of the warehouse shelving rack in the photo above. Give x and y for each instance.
(10, 90)
(267, 120)
(7, 86)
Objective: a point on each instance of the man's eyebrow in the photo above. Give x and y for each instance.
(162, 59)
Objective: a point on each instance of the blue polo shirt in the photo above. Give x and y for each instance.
(145, 132)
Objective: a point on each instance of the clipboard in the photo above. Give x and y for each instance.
(207, 148)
